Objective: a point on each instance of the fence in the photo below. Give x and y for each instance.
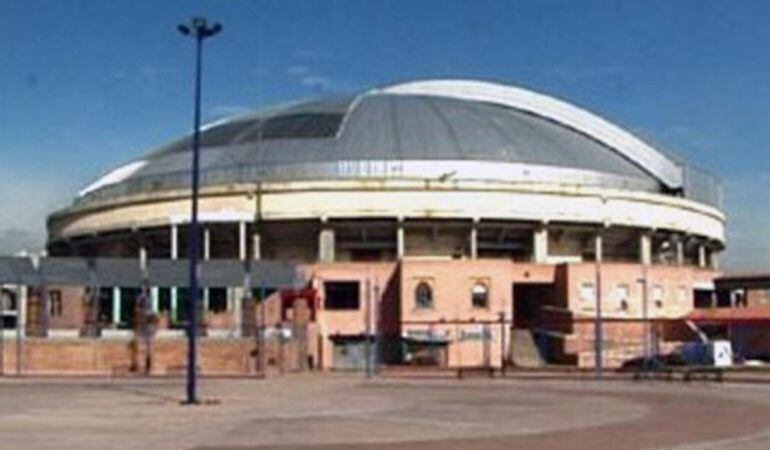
(40, 293)
(627, 343)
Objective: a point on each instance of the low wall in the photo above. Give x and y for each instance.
(624, 342)
(81, 356)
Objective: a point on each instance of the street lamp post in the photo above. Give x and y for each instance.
(200, 30)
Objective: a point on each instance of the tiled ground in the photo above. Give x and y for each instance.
(345, 411)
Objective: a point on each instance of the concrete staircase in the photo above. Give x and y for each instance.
(524, 349)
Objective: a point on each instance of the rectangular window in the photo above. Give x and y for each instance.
(342, 295)
(480, 295)
(105, 305)
(55, 306)
(701, 298)
(183, 299)
(164, 299)
(218, 300)
(7, 309)
(128, 301)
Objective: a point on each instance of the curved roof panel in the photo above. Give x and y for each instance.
(548, 107)
(472, 129)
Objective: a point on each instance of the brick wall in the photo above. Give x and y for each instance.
(169, 356)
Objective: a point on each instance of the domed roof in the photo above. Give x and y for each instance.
(465, 129)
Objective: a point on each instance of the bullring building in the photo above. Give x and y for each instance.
(425, 210)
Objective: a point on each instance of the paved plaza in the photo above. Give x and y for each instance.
(347, 412)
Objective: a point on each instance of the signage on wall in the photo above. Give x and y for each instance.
(427, 335)
(476, 333)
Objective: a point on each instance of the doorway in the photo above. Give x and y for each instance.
(530, 340)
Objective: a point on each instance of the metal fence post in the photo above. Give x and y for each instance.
(368, 328)
(19, 336)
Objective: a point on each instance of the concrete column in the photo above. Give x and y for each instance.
(474, 239)
(21, 315)
(256, 243)
(206, 243)
(116, 305)
(143, 256)
(206, 257)
(237, 310)
(645, 249)
(714, 260)
(174, 255)
(400, 244)
(174, 242)
(679, 252)
(145, 277)
(173, 313)
(540, 245)
(154, 298)
(242, 241)
(326, 245)
(598, 247)
(701, 256)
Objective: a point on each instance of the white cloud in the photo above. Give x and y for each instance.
(308, 77)
(316, 82)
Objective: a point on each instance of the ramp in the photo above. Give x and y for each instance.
(524, 349)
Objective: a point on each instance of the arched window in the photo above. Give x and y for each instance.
(423, 295)
(480, 295)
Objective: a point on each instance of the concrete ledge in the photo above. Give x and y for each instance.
(117, 334)
(220, 333)
(173, 334)
(63, 333)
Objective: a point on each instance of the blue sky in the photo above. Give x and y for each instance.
(85, 85)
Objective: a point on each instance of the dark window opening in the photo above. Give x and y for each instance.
(55, 306)
(128, 300)
(164, 300)
(183, 298)
(218, 300)
(298, 126)
(423, 296)
(8, 312)
(703, 298)
(105, 305)
(342, 295)
(480, 296)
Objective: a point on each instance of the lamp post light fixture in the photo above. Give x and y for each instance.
(200, 29)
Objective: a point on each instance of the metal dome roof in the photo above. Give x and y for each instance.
(471, 130)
